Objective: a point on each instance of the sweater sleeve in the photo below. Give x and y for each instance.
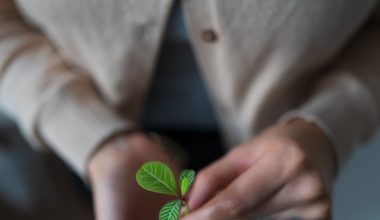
(54, 104)
(346, 102)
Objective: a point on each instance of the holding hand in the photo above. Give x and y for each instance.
(112, 173)
(285, 173)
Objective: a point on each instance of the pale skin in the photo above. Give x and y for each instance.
(112, 173)
(283, 173)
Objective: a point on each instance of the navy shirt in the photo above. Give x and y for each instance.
(178, 98)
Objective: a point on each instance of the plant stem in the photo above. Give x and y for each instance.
(186, 208)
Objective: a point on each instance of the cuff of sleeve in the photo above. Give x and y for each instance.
(345, 110)
(74, 122)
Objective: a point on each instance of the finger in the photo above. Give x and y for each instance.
(215, 178)
(242, 195)
(320, 210)
(303, 189)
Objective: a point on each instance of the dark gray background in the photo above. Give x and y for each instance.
(357, 192)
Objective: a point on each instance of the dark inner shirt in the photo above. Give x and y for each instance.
(178, 98)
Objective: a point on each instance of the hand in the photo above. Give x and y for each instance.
(285, 173)
(112, 173)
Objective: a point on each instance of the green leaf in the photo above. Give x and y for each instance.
(186, 180)
(171, 210)
(157, 177)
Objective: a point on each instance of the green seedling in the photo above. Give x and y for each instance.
(159, 178)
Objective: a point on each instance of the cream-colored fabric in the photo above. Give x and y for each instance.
(75, 72)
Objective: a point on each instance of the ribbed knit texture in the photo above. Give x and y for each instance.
(344, 110)
(76, 121)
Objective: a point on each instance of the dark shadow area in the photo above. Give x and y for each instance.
(202, 147)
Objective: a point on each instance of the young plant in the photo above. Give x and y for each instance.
(158, 177)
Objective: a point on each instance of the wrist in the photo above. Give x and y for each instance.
(316, 144)
(114, 153)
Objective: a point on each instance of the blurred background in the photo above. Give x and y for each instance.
(357, 192)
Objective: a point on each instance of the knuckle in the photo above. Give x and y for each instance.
(314, 187)
(139, 139)
(204, 177)
(321, 210)
(297, 161)
(207, 178)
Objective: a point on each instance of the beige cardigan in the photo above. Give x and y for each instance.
(75, 72)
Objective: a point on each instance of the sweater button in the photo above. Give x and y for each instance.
(209, 36)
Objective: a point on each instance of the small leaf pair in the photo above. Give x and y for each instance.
(158, 177)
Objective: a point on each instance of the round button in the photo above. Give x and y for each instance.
(209, 36)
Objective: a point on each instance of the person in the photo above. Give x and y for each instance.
(295, 86)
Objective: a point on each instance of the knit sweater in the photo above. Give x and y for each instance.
(73, 73)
